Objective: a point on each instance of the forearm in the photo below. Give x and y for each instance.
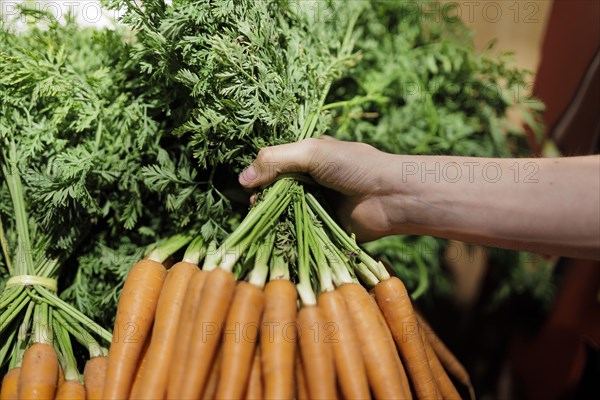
(542, 205)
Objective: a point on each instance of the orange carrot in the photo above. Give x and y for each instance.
(212, 311)
(444, 384)
(301, 389)
(349, 364)
(142, 365)
(254, 390)
(166, 322)
(135, 314)
(239, 340)
(278, 339)
(10, 384)
(94, 377)
(71, 390)
(39, 372)
(61, 377)
(392, 345)
(184, 333)
(393, 350)
(397, 309)
(213, 380)
(316, 354)
(444, 355)
(382, 371)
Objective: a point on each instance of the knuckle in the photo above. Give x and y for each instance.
(311, 144)
(312, 148)
(265, 155)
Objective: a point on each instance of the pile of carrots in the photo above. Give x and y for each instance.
(257, 331)
(280, 310)
(42, 376)
(37, 327)
(201, 334)
(42, 360)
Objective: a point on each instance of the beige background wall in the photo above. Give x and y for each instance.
(518, 25)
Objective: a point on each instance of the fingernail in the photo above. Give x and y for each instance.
(248, 176)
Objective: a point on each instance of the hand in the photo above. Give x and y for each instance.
(356, 171)
(380, 194)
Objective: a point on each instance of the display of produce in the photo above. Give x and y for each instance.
(120, 151)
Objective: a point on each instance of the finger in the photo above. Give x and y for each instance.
(276, 160)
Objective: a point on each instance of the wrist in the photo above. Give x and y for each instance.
(403, 199)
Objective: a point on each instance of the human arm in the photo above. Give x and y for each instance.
(549, 206)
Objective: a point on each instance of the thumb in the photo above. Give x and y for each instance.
(275, 160)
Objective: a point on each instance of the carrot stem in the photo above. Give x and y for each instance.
(170, 246)
(279, 267)
(260, 222)
(365, 275)
(304, 286)
(346, 241)
(22, 336)
(195, 251)
(6, 347)
(14, 309)
(72, 312)
(24, 260)
(48, 267)
(41, 324)
(5, 249)
(260, 212)
(258, 275)
(66, 357)
(80, 334)
(212, 257)
(322, 264)
(10, 295)
(260, 229)
(337, 261)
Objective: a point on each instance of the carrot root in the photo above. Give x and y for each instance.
(395, 303)
(154, 378)
(301, 389)
(239, 340)
(39, 372)
(94, 377)
(184, 335)
(278, 339)
(208, 326)
(444, 384)
(446, 357)
(349, 364)
(316, 354)
(383, 374)
(10, 384)
(254, 391)
(135, 315)
(71, 390)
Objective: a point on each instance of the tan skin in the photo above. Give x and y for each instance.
(549, 206)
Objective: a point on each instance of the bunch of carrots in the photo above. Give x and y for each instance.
(281, 309)
(256, 322)
(37, 327)
(42, 376)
